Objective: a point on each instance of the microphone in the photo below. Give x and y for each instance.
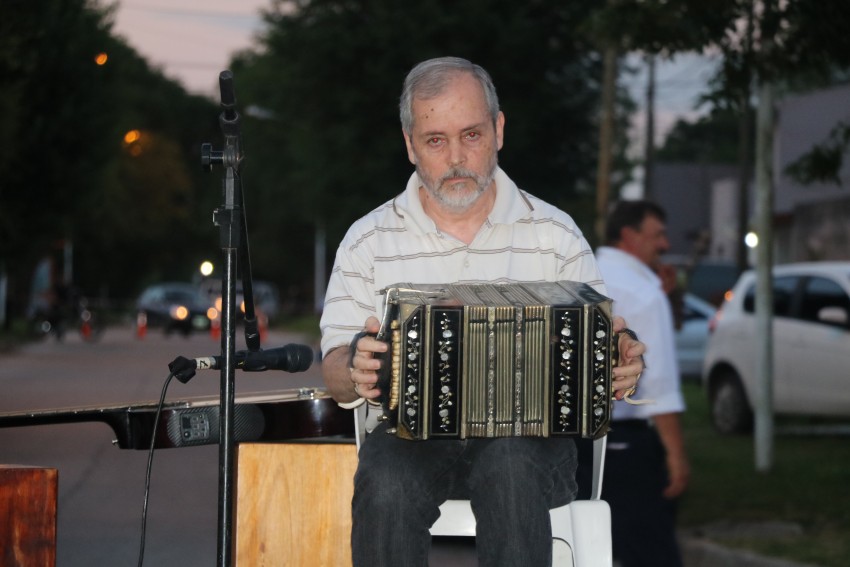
(289, 358)
(228, 95)
(229, 120)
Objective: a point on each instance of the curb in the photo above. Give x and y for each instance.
(698, 552)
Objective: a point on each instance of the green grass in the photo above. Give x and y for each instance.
(806, 486)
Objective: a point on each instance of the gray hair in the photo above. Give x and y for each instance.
(430, 78)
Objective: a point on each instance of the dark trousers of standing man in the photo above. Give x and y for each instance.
(643, 521)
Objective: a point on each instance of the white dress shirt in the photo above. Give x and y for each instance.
(640, 299)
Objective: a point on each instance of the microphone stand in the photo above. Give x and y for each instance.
(233, 236)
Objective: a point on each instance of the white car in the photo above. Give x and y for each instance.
(811, 346)
(692, 336)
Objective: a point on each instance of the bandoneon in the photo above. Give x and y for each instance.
(490, 360)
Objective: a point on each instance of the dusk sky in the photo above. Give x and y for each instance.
(192, 41)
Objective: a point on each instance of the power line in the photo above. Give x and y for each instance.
(168, 10)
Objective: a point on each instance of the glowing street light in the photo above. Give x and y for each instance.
(751, 240)
(206, 268)
(132, 142)
(101, 58)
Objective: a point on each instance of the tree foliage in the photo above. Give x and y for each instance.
(823, 162)
(798, 45)
(67, 176)
(662, 27)
(55, 117)
(712, 138)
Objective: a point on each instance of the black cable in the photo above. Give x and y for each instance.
(149, 467)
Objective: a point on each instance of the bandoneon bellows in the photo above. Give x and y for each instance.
(497, 360)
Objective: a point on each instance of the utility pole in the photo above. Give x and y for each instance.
(649, 149)
(765, 119)
(606, 137)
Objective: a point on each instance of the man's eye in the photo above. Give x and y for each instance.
(434, 141)
(472, 136)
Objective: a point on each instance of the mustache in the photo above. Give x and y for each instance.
(458, 172)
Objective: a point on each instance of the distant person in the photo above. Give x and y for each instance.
(646, 467)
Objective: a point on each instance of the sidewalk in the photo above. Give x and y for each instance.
(705, 553)
(699, 549)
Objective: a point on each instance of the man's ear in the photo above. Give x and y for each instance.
(500, 130)
(409, 144)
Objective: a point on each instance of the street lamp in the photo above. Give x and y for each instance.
(132, 142)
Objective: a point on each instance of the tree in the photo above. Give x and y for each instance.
(712, 138)
(795, 44)
(52, 143)
(655, 27)
(823, 162)
(71, 92)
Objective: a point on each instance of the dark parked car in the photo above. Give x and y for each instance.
(173, 306)
(266, 297)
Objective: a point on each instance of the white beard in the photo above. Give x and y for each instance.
(458, 197)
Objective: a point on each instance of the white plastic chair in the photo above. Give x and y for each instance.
(581, 530)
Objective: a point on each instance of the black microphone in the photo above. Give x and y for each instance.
(228, 95)
(289, 358)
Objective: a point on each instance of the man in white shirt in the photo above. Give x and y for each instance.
(645, 445)
(460, 219)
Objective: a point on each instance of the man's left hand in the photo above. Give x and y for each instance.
(629, 367)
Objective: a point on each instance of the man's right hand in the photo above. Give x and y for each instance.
(364, 366)
(348, 378)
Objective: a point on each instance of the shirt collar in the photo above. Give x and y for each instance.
(510, 205)
(611, 254)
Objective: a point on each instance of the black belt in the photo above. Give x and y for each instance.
(630, 424)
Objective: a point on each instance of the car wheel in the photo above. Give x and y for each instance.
(730, 411)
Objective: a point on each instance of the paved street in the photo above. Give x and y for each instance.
(101, 487)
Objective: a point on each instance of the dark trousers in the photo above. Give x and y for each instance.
(643, 522)
(511, 483)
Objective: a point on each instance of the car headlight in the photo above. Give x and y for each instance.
(179, 312)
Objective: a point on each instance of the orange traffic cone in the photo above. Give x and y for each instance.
(141, 325)
(263, 324)
(215, 328)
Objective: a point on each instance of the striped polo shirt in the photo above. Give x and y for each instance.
(524, 239)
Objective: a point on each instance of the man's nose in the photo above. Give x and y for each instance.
(457, 154)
